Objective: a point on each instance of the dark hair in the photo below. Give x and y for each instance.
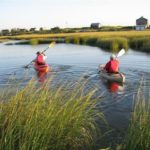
(38, 53)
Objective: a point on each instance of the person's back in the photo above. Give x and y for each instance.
(40, 60)
(112, 66)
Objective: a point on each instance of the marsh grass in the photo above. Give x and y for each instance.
(34, 42)
(138, 135)
(138, 40)
(73, 40)
(110, 44)
(41, 118)
(125, 34)
(142, 43)
(113, 44)
(38, 41)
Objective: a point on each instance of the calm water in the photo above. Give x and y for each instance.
(74, 62)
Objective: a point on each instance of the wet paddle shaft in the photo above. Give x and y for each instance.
(120, 53)
(50, 45)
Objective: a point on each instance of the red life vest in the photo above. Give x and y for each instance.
(40, 59)
(112, 66)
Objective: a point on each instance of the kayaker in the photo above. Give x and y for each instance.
(40, 59)
(112, 66)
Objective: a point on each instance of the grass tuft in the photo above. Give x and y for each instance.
(41, 118)
(142, 43)
(138, 135)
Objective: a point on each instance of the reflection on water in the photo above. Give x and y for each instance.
(114, 86)
(42, 76)
(72, 63)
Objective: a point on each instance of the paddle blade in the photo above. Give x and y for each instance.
(121, 52)
(26, 67)
(52, 44)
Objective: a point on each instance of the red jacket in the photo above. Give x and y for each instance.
(40, 59)
(112, 66)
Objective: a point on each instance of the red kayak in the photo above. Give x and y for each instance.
(41, 68)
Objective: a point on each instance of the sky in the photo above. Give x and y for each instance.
(70, 13)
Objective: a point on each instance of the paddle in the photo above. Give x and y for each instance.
(49, 46)
(120, 53)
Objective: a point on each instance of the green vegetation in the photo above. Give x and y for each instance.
(126, 34)
(18, 31)
(114, 44)
(44, 118)
(138, 40)
(141, 44)
(34, 42)
(109, 44)
(34, 118)
(138, 135)
(37, 41)
(116, 28)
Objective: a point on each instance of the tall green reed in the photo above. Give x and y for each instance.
(138, 135)
(44, 118)
(140, 43)
(110, 43)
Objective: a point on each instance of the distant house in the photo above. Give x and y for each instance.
(95, 25)
(5, 32)
(141, 23)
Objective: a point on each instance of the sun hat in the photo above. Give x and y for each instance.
(112, 56)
